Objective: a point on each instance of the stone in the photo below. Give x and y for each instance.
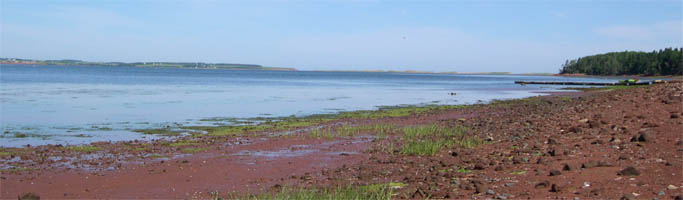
(629, 171)
(29, 196)
(628, 197)
(543, 184)
(502, 197)
(552, 141)
(555, 172)
(568, 167)
(478, 166)
(481, 188)
(510, 184)
(556, 188)
(589, 164)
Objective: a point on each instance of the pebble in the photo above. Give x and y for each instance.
(503, 197)
(555, 173)
(555, 188)
(671, 187)
(661, 193)
(628, 197)
(629, 171)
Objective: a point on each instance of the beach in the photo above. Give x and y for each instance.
(609, 143)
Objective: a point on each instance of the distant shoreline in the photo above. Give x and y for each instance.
(178, 66)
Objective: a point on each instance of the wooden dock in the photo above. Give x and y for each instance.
(587, 83)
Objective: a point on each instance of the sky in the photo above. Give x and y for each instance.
(523, 36)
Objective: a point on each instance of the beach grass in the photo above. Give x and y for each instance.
(194, 150)
(373, 191)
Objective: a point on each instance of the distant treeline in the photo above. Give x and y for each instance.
(195, 65)
(667, 61)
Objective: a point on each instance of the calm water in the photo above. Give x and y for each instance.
(75, 105)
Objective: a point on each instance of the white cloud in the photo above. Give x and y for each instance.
(669, 30)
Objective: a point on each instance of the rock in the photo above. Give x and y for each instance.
(466, 186)
(604, 164)
(568, 167)
(671, 187)
(419, 194)
(661, 193)
(481, 188)
(589, 164)
(29, 196)
(555, 188)
(598, 141)
(644, 137)
(552, 141)
(583, 120)
(641, 137)
(628, 197)
(555, 172)
(490, 192)
(478, 166)
(552, 152)
(575, 129)
(542, 161)
(543, 184)
(629, 171)
(502, 197)
(615, 140)
(510, 184)
(594, 124)
(454, 154)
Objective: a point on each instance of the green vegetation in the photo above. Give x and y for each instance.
(519, 172)
(427, 139)
(194, 150)
(15, 170)
(395, 111)
(153, 156)
(281, 125)
(194, 65)
(425, 147)
(84, 148)
(375, 191)
(160, 131)
(182, 143)
(380, 130)
(463, 170)
(668, 61)
(606, 88)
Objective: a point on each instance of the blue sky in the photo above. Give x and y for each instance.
(464, 36)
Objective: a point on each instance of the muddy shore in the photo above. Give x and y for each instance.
(604, 144)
